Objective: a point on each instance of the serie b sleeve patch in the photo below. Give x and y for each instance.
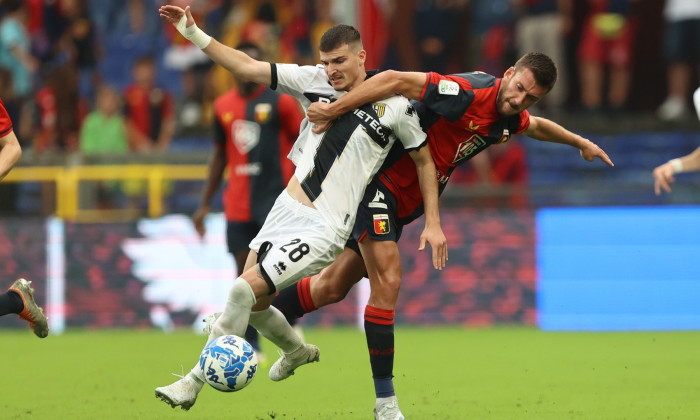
(381, 224)
(448, 87)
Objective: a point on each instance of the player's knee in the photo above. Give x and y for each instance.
(387, 287)
(336, 294)
(242, 294)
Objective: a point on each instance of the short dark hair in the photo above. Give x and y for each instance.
(339, 35)
(542, 67)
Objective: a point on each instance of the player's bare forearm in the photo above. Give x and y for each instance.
(212, 184)
(10, 152)
(546, 130)
(378, 87)
(237, 62)
(432, 233)
(217, 164)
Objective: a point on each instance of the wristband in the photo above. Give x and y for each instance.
(677, 165)
(193, 33)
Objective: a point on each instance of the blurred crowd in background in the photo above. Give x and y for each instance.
(110, 77)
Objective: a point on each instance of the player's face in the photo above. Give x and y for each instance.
(345, 68)
(518, 91)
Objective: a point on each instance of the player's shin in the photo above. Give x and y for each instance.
(272, 324)
(234, 319)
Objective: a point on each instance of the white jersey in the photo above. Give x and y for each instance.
(335, 167)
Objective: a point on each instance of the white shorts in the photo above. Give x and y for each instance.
(303, 243)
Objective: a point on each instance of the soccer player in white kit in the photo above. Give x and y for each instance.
(312, 219)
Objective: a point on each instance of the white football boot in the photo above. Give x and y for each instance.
(209, 322)
(284, 367)
(388, 409)
(182, 393)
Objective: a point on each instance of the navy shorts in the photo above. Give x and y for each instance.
(682, 41)
(239, 235)
(376, 217)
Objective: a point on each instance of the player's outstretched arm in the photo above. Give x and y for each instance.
(10, 152)
(237, 62)
(663, 174)
(546, 130)
(380, 86)
(432, 233)
(217, 164)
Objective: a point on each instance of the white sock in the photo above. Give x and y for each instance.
(234, 319)
(274, 326)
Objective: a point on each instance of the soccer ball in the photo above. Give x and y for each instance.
(229, 363)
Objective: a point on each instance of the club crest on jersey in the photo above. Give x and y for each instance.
(227, 117)
(379, 109)
(245, 135)
(448, 87)
(262, 113)
(381, 224)
(469, 147)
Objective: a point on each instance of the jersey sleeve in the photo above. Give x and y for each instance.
(406, 124)
(293, 80)
(447, 96)
(523, 122)
(5, 122)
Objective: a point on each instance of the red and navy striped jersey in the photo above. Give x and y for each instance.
(258, 132)
(5, 122)
(458, 113)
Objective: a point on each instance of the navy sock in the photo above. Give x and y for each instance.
(379, 330)
(10, 303)
(294, 302)
(251, 336)
(384, 387)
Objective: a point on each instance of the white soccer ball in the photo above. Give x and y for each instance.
(229, 363)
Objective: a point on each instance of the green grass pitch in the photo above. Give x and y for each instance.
(441, 373)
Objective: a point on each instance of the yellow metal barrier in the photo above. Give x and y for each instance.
(67, 179)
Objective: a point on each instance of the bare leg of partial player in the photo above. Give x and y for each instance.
(332, 285)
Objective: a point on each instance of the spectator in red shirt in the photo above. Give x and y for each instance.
(150, 110)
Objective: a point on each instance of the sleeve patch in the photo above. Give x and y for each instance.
(448, 87)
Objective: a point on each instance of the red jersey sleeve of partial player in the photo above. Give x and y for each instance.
(524, 123)
(5, 122)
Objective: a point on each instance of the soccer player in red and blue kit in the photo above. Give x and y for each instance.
(19, 299)
(255, 129)
(462, 115)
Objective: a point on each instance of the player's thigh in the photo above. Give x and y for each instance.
(301, 244)
(382, 260)
(334, 282)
